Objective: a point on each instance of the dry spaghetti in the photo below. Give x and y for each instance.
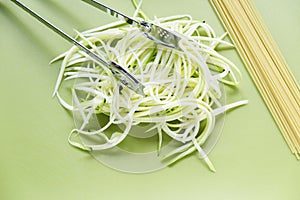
(265, 64)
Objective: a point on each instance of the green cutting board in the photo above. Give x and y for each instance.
(251, 157)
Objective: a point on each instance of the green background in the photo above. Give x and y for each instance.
(36, 161)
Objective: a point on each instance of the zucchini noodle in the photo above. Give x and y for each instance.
(182, 88)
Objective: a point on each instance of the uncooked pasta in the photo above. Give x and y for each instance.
(266, 65)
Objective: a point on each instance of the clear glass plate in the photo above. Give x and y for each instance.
(138, 152)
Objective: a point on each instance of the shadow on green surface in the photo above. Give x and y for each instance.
(71, 17)
(25, 31)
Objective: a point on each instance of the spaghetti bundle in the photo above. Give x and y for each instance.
(265, 64)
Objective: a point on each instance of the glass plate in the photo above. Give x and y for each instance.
(137, 153)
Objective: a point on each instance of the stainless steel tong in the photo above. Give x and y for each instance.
(152, 31)
(120, 73)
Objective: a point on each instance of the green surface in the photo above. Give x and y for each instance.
(251, 157)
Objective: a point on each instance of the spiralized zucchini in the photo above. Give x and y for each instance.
(182, 88)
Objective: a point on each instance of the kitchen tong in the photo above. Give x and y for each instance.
(154, 32)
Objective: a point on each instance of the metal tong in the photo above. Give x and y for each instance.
(152, 31)
(120, 73)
